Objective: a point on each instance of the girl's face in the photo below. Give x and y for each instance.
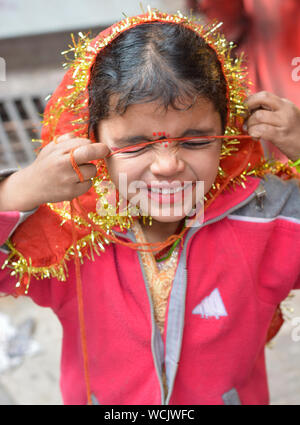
(160, 177)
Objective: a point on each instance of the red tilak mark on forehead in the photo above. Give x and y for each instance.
(160, 133)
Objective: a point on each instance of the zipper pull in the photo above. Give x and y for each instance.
(260, 194)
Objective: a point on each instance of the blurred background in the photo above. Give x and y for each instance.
(33, 33)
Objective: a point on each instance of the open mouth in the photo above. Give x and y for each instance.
(171, 195)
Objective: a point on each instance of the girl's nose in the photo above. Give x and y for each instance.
(166, 162)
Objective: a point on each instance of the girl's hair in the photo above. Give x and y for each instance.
(162, 62)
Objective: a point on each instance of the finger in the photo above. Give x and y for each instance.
(264, 100)
(70, 144)
(262, 116)
(63, 138)
(81, 188)
(66, 145)
(88, 171)
(263, 131)
(91, 152)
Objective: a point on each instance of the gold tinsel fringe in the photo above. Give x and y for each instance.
(88, 246)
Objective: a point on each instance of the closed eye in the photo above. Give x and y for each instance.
(134, 149)
(195, 143)
(186, 142)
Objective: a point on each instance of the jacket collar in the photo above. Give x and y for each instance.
(231, 199)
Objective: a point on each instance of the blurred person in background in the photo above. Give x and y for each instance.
(268, 32)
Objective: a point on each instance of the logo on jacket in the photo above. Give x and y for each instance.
(211, 306)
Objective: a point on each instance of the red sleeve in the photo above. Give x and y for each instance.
(45, 292)
(297, 285)
(9, 220)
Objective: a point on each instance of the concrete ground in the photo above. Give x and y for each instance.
(36, 380)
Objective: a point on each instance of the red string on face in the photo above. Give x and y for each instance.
(167, 141)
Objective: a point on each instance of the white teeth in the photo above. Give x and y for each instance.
(167, 191)
(155, 190)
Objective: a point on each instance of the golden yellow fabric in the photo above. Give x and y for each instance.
(160, 277)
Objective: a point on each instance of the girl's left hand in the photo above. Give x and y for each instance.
(276, 120)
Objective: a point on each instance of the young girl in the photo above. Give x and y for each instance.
(157, 305)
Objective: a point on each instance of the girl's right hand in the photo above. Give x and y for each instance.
(51, 177)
